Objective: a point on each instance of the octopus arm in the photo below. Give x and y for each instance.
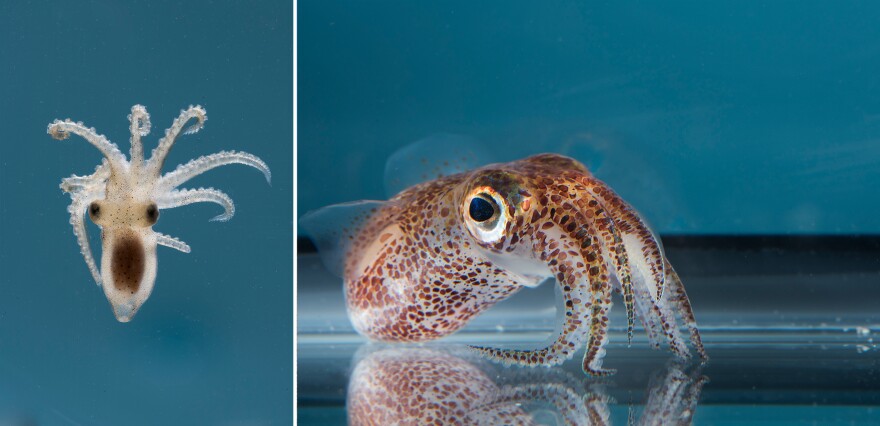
(202, 164)
(183, 197)
(77, 211)
(169, 241)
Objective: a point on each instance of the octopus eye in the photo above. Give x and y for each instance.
(482, 209)
(94, 210)
(152, 213)
(485, 214)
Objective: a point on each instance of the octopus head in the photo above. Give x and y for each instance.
(128, 261)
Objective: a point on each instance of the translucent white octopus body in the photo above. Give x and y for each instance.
(124, 199)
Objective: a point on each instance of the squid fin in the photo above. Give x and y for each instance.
(334, 228)
(432, 157)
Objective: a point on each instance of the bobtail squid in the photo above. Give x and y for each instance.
(124, 198)
(421, 265)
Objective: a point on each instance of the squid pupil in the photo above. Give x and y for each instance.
(481, 210)
(94, 209)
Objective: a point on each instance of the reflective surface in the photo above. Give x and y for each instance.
(451, 385)
(829, 383)
(791, 328)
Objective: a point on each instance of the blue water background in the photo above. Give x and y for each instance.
(710, 117)
(213, 344)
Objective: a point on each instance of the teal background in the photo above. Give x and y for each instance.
(213, 344)
(711, 118)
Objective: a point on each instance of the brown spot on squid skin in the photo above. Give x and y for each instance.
(127, 263)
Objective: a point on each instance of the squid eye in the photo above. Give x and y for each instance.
(94, 210)
(482, 209)
(152, 213)
(485, 214)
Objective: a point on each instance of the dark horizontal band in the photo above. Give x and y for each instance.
(847, 243)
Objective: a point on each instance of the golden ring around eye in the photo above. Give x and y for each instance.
(485, 214)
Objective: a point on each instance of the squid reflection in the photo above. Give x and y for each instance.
(432, 385)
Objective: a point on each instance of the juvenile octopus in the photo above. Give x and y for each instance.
(440, 252)
(124, 199)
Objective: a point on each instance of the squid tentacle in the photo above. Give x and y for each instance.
(157, 158)
(140, 126)
(594, 221)
(631, 224)
(169, 241)
(673, 397)
(613, 243)
(200, 165)
(586, 290)
(601, 289)
(61, 130)
(681, 301)
(76, 183)
(183, 197)
(597, 408)
(642, 243)
(649, 320)
(77, 211)
(577, 310)
(565, 399)
(670, 329)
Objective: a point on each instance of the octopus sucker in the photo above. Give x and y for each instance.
(124, 198)
(422, 264)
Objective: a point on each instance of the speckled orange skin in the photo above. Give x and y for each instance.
(417, 272)
(418, 386)
(426, 386)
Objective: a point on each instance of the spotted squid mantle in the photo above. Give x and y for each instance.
(438, 253)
